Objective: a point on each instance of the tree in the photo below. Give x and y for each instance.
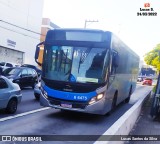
(153, 57)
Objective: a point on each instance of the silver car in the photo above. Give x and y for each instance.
(10, 95)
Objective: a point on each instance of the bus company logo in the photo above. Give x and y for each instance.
(68, 88)
(147, 10)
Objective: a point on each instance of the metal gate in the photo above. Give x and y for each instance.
(10, 55)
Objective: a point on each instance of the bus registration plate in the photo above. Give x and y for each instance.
(66, 105)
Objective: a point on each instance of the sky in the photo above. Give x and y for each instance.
(140, 33)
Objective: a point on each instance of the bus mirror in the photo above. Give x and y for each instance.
(37, 53)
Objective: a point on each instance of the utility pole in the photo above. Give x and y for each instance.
(91, 21)
(119, 28)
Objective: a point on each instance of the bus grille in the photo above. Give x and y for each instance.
(75, 104)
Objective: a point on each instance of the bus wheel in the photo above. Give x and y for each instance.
(114, 102)
(129, 96)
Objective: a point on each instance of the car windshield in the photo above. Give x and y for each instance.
(13, 71)
(76, 64)
(6, 71)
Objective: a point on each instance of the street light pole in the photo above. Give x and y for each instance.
(85, 24)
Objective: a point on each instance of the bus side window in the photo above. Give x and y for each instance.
(115, 60)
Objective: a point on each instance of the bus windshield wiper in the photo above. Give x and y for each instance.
(80, 62)
(65, 61)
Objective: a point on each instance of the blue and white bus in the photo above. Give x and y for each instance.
(84, 70)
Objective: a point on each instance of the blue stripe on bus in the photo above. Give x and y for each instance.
(69, 95)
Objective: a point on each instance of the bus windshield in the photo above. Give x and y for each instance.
(75, 64)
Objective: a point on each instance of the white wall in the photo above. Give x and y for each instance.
(20, 21)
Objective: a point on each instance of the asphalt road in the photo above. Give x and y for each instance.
(28, 103)
(55, 122)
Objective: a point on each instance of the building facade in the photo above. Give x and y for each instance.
(46, 25)
(20, 28)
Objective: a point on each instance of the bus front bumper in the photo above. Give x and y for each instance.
(98, 107)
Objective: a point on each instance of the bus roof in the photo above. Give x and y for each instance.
(80, 29)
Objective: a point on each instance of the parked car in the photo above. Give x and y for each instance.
(39, 72)
(5, 65)
(147, 81)
(37, 90)
(1, 70)
(139, 79)
(23, 76)
(10, 95)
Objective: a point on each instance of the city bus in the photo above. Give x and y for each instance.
(86, 70)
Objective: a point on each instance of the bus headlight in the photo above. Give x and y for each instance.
(100, 96)
(97, 98)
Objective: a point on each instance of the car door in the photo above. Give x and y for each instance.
(24, 78)
(30, 77)
(4, 93)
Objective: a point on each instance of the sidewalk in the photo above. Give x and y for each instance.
(145, 125)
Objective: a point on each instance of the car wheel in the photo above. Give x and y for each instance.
(21, 87)
(33, 85)
(37, 96)
(12, 106)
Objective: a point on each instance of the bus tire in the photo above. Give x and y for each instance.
(114, 101)
(129, 96)
(37, 96)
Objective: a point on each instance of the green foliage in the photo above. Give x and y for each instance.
(154, 89)
(153, 57)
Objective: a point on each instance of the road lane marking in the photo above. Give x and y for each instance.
(23, 114)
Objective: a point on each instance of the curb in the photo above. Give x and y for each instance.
(125, 123)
